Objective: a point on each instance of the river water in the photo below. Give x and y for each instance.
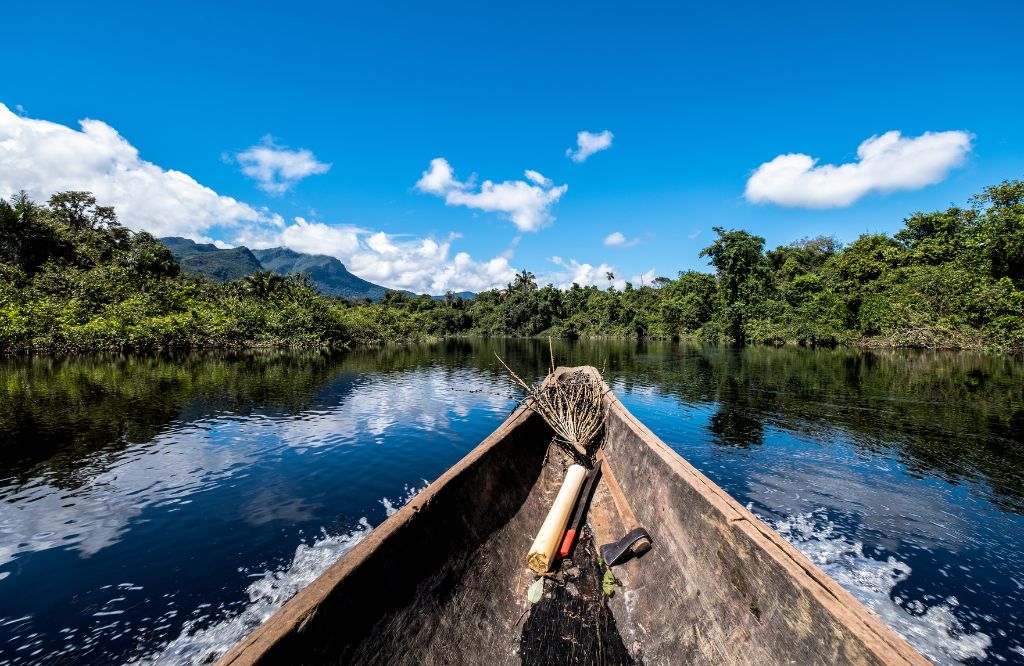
(153, 509)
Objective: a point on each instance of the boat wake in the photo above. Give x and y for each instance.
(202, 642)
(935, 631)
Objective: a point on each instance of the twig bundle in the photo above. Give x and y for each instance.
(573, 405)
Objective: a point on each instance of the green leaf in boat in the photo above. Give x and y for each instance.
(536, 591)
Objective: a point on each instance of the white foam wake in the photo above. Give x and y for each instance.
(267, 594)
(935, 631)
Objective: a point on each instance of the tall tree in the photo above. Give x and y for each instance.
(742, 272)
(27, 239)
(524, 281)
(79, 211)
(1000, 229)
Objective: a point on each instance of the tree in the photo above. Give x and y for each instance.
(80, 212)
(27, 239)
(999, 229)
(147, 257)
(742, 277)
(935, 238)
(689, 302)
(800, 257)
(263, 284)
(524, 281)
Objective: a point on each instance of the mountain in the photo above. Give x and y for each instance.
(211, 261)
(330, 275)
(464, 295)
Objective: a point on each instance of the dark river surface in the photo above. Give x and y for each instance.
(155, 509)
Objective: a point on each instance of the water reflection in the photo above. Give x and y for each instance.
(176, 500)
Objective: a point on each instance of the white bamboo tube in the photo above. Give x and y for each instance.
(549, 537)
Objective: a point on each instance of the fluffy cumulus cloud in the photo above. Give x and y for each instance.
(42, 157)
(421, 265)
(569, 271)
(885, 163)
(618, 239)
(588, 143)
(645, 279)
(527, 203)
(277, 169)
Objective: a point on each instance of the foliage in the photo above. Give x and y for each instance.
(608, 583)
(73, 279)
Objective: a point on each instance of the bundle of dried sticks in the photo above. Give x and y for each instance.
(572, 404)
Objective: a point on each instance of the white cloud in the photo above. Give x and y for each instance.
(526, 205)
(277, 169)
(885, 163)
(618, 239)
(510, 251)
(584, 274)
(538, 178)
(42, 157)
(588, 143)
(693, 234)
(439, 179)
(644, 279)
(421, 265)
(319, 238)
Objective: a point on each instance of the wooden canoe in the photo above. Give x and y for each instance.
(444, 580)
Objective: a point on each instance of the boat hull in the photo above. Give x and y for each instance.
(444, 580)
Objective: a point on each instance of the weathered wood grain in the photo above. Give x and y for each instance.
(443, 581)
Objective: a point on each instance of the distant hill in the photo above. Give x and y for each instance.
(330, 275)
(211, 261)
(464, 295)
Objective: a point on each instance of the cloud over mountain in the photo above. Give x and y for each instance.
(42, 157)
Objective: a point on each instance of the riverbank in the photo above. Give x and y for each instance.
(72, 280)
(917, 339)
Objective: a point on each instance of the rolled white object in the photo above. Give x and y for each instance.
(549, 537)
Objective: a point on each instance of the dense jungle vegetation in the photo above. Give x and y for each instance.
(72, 278)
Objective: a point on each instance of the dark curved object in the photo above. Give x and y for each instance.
(636, 542)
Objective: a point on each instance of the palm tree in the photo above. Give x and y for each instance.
(610, 277)
(525, 281)
(262, 283)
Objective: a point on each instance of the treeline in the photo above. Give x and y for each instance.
(73, 279)
(948, 279)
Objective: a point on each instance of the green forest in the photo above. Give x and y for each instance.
(73, 279)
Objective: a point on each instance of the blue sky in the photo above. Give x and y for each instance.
(697, 99)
